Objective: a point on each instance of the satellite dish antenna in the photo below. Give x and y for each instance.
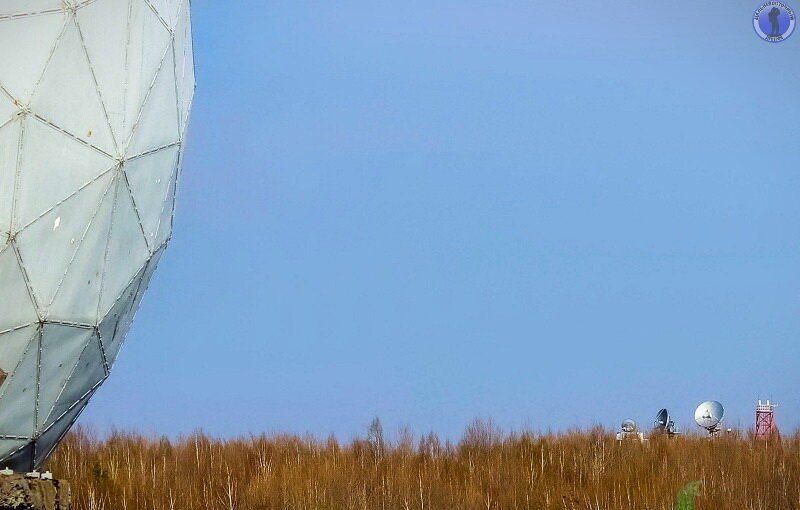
(664, 424)
(708, 415)
(662, 420)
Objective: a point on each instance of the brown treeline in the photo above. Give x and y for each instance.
(485, 470)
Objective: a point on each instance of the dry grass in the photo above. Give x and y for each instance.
(486, 470)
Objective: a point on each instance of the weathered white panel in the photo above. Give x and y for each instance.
(149, 178)
(60, 349)
(18, 394)
(14, 291)
(67, 94)
(158, 122)
(127, 250)
(48, 244)
(27, 43)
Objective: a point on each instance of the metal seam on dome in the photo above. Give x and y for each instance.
(61, 202)
(50, 57)
(174, 198)
(163, 202)
(67, 324)
(26, 278)
(83, 236)
(147, 97)
(126, 72)
(17, 328)
(167, 200)
(179, 119)
(16, 367)
(135, 210)
(183, 123)
(83, 401)
(96, 85)
(127, 284)
(81, 5)
(85, 396)
(17, 170)
(63, 131)
(11, 375)
(9, 121)
(38, 379)
(140, 270)
(158, 15)
(27, 439)
(152, 151)
(80, 242)
(66, 383)
(14, 16)
(105, 255)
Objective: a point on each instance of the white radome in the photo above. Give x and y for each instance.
(94, 103)
(709, 414)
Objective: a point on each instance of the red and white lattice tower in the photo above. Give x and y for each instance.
(765, 420)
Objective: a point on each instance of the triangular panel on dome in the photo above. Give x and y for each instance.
(149, 41)
(9, 147)
(184, 66)
(53, 167)
(48, 440)
(115, 325)
(167, 212)
(127, 250)
(18, 308)
(21, 459)
(167, 11)
(61, 346)
(29, 41)
(8, 447)
(157, 125)
(47, 245)
(67, 94)
(149, 179)
(13, 345)
(88, 373)
(148, 275)
(104, 27)
(18, 394)
(78, 294)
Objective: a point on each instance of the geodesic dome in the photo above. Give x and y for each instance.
(94, 102)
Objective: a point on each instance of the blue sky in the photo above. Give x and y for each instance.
(548, 215)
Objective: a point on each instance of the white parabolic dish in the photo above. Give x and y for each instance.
(94, 103)
(709, 414)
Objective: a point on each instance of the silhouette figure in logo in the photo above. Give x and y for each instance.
(773, 18)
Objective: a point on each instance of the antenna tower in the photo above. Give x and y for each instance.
(765, 419)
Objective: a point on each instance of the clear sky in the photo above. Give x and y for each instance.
(549, 214)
